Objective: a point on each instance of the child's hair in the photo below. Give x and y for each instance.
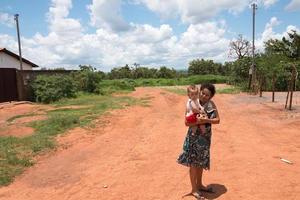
(210, 87)
(192, 88)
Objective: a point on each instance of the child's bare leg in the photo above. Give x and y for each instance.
(194, 129)
(202, 128)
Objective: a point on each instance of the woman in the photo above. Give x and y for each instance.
(196, 147)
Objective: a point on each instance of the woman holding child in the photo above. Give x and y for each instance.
(196, 147)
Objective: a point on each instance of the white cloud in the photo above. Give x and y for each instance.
(7, 19)
(205, 40)
(268, 3)
(144, 44)
(58, 21)
(195, 11)
(7, 41)
(293, 5)
(269, 33)
(107, 14)
(166, 8)
(149, 34)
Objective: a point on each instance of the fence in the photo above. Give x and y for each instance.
(8, 84)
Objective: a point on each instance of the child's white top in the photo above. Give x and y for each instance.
(192, 104)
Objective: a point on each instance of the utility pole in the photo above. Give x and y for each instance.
(19, 42)
(253, 66)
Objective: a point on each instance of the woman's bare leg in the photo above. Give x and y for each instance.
(193, 177)
(199, 172)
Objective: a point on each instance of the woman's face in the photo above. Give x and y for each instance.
(205, 95)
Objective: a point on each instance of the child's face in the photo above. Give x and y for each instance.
(194, 95)
(205, 95)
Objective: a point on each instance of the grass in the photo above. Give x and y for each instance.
(230, 90)
(18, 153)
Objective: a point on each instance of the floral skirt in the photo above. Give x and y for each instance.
(196, 149)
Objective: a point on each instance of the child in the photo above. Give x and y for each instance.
(194, 109)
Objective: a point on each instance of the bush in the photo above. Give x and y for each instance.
(47, 89)
(87, 79)
(111, 86)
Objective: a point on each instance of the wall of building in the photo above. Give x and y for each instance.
(7, 61)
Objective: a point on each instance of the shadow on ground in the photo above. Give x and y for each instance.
(217, 189)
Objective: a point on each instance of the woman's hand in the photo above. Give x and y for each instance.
(202, 120)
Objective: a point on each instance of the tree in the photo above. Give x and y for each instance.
(283, 53)
(121, 72)
(202, 67)
(87, 78)
(269, 67)
(165, 72)
(288, 47)
(239, 48)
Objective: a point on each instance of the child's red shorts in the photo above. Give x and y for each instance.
(191, 118)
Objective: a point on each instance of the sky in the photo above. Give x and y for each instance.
(152, 33)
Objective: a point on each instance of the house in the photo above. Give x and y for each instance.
(9, 59)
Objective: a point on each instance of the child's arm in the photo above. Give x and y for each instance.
(195, 108)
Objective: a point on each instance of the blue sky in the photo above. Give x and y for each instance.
(112, 33)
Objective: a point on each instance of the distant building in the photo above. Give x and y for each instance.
(9, 59)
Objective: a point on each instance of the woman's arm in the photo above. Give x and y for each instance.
(215, 120)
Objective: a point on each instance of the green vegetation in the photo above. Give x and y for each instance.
(273, 66)
(229, 90)
(226, 90)
(18, 153)
(48, 89)
(112, 86)
(196, 79)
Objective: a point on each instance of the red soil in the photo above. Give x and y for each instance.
(132, 156)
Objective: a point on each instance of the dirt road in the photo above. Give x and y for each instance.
(134, 156)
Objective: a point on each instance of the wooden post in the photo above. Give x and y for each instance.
(292, 84)
(287, 96)
(273, 87)
(260, 85)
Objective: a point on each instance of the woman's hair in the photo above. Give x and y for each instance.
(210, 87)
